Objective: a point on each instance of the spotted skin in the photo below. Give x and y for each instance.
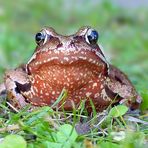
(75, 64)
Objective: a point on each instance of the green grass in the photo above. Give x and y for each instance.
(45, 127)
(124, 36)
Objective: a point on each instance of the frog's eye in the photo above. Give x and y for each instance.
(92, 36)
(40, 38)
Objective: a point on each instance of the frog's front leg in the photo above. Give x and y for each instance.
(118, 85)
(16, 82)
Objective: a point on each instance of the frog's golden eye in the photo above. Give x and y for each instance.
(92, 36)
(41, 38)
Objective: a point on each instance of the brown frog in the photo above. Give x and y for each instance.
(75, 63)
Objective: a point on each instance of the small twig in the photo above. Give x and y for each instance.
(12, 107)
(62, 119)
(71, 114)
(133, 119)
(101, 121)
(10, 128)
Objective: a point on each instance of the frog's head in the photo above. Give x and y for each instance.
(79, 48)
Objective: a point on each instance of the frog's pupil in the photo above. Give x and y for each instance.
(93, 37)
(39, 37)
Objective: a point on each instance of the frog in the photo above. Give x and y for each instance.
(75, 63)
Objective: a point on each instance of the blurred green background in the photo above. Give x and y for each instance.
(122, 27)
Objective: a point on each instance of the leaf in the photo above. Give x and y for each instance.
(13, 141)
(66, 135)
(106, 144)
(47, 144)
(38, 114)
(118, 111)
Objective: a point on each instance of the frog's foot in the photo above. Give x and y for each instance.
(13, 78)
(118, 85)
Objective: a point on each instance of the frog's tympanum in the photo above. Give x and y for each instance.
(75, 63)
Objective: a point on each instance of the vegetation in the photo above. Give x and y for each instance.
(124, 36)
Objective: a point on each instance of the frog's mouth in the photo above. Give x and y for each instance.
(55, 57)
